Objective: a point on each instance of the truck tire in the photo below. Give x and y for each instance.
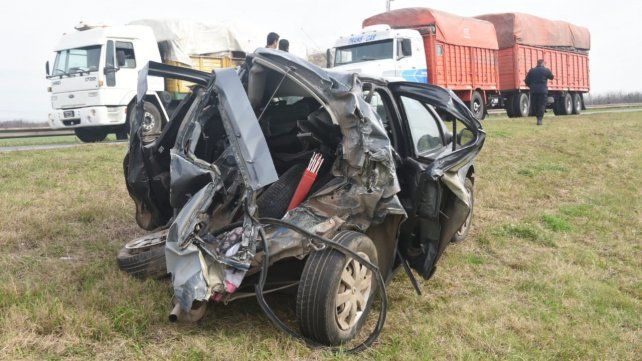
(477, 106)
(144, 257)
(91, 134)
(577, 103)
(152, 121)
(335, 292)
(563, 105)
(509, 106)
(521, 105)
(462, 233)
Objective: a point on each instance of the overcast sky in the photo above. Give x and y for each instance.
(29, 30)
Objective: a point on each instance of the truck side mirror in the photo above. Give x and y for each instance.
(405, 49)
(110, 68)
(47, 67)
(328, 58)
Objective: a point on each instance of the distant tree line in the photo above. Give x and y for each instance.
(618, 97)
(19, 123)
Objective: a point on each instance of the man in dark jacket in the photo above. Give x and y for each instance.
(537, 80)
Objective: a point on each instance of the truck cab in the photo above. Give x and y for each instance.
(94, 76)
(379, 51)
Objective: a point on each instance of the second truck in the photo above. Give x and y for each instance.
(484, 60)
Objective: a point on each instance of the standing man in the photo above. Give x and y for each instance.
(272, 40)
(284, 45)
(537, 80)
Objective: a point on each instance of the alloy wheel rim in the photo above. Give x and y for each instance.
(353, 293)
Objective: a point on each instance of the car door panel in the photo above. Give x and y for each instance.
(441, 201)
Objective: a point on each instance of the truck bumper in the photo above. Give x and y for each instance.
(88, 117)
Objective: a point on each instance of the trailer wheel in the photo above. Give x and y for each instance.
(335, 293)
(477, 106)
(91, 134)
(521, 105)
(509, 106)
(577, 103)
(563, 105)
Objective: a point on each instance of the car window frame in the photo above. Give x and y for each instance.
(428, 154)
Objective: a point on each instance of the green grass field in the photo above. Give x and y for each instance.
(62, 139)
(551, 270)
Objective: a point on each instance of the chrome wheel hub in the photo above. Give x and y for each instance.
(149, 122)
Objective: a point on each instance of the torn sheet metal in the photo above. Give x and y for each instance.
(242, 125)
(365, 171)
(193, 277)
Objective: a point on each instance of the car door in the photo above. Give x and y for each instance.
(432, 185)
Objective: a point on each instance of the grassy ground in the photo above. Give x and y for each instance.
(62, 139)
(551, 270)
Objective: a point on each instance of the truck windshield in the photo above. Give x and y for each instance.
(375, 50)
(77, 60)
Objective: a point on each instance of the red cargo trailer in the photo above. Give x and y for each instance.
(523, 39)
(461, 52)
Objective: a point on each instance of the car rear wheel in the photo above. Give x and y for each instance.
(91, 134)
(144, 257)
(462, 232)
(335, 293)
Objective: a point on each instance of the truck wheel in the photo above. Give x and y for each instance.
(152, 121)
(477, 106)
(144, 257)
(91, 134)
(335, 292)
(577, 103)
(521, 105)
(465, 228)
(509, 106)
(563, 105)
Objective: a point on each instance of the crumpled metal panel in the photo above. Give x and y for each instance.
(237, 113)
(190, 271)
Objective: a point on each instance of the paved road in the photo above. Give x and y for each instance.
(51, 146)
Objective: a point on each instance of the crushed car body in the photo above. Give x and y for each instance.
(282, 163)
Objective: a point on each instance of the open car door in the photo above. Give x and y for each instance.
(437, 159)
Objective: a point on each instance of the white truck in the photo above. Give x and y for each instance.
(95, 72)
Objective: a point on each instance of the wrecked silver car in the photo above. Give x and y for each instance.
(282, 174)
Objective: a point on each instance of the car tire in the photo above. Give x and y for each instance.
(144, 260)
(577, 103)
(462, 232)
(274, 201)
(91, 134)
(323, 283)
(477, 106)
(521, 105)
(152, 121)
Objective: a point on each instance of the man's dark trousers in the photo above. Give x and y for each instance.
(538, 103)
